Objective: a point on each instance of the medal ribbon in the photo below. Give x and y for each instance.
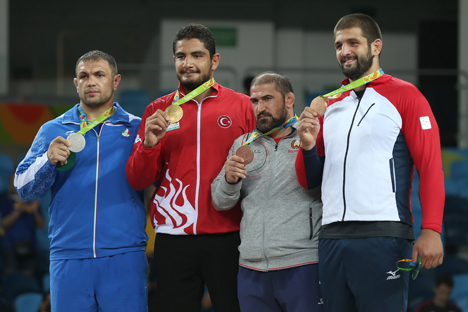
(194, 93)
(257, 134)
(85, 127)
(357, 83)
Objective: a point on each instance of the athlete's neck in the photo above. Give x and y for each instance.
(375, 67)
(202, 95)
(281, 133)
(94, 112)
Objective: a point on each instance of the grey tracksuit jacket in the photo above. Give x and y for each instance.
(281, 219)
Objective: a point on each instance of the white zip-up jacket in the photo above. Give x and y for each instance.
(371, 146)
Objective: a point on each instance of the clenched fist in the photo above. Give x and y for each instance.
(58, 151)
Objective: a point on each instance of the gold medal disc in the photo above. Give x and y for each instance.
(175, 113)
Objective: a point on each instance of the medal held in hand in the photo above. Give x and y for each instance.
(246, 153)
(77, 141)
(319, 104)
(175, 113)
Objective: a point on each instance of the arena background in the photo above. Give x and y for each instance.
(425, 42)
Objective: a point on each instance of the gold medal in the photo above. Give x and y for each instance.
(174, 112)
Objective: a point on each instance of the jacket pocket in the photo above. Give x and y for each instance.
(54, 222)
(311, 224)
(392, 173)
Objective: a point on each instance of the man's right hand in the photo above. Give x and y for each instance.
(235, 169)
(58, 151)
(155, 128)
(308, 127)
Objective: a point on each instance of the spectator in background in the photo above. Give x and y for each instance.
(45, 304)
(440, 303)
(19, 220)
(4, 307)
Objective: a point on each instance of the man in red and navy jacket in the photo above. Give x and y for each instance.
(363, 151)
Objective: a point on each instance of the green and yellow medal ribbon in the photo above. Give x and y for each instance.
(85, 126)
(257, 134)
(174, 112)
(357, 83)
(194, 93)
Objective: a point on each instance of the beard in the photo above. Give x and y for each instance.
(193, 83)
(267, 124)
(361, 66)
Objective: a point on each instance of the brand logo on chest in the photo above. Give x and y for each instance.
(224, 121)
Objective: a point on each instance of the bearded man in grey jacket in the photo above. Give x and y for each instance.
(279, 229)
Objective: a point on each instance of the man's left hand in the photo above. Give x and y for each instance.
(429, 247)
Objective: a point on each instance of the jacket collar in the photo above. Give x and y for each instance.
(119, 116)
(270, 138)
(214, 94)
(380, 80)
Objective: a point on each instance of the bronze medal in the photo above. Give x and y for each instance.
(246, 153)
(174, 112)
(319, 105)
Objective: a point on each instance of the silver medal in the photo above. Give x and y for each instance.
(77, 141)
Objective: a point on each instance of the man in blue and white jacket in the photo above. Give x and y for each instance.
(97, 221)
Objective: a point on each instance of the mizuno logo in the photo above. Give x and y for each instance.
(138, 139)
(393, 275)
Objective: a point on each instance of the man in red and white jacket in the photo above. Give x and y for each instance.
(195, 244)
(370, 140)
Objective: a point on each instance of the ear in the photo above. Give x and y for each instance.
(376, 47)
(117, 79)
(215, 61)
(75, 81)
(290, 98)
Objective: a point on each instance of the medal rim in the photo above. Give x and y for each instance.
(174, 117)
(246, 160)
(81, 141)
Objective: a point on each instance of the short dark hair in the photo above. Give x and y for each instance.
(196, 31)
(97, 55)
(444, 279)
(282, 83)
(369, 27)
